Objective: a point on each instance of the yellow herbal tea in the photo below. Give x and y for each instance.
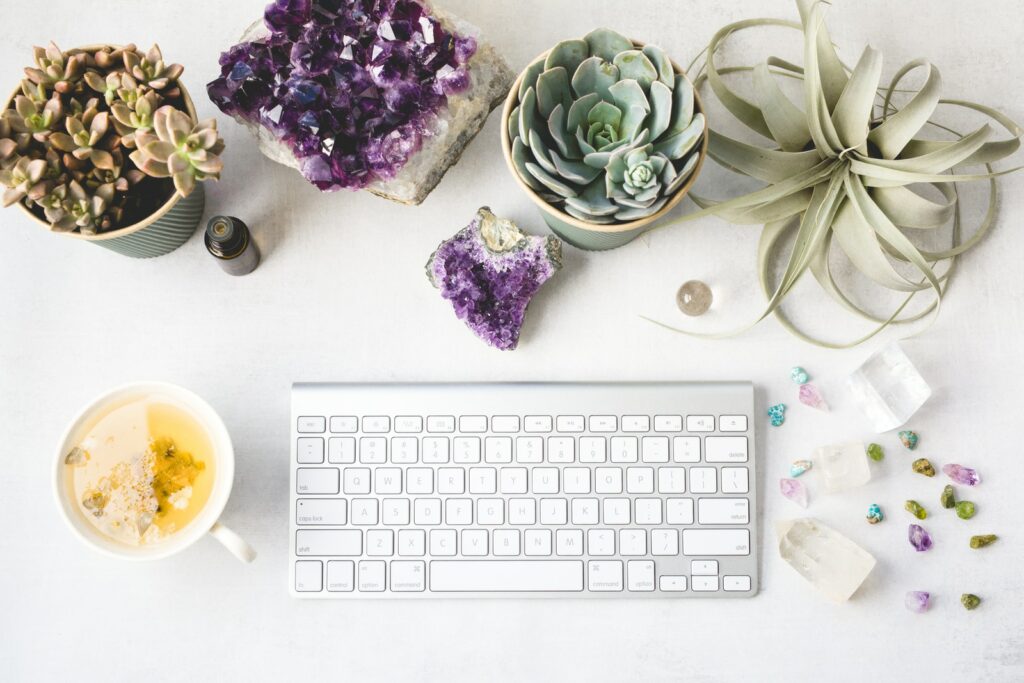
(141, 470)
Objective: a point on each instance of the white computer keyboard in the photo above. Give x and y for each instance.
(526, 490)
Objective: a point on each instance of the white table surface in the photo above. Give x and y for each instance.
(341, 295)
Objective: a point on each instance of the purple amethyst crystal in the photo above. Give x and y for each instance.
(918, 601)
(962, 475)
(919, 538)
(349, 86)
(489, 271)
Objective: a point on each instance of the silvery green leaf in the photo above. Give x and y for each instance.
(648, 195)
(589, 218)
(785, 120)
(527, 114)
(632, 122)
(513, 123)
(616, 168)
(831, 72)
(540, 153)
(666, 74)
(556, 127)
(550, 182)
(769, 165)
(682, 106)
(852, 112)
(629, 94)
(580, 111)
(659, 163)
(661, 109)
(574, 171)
(605, 43)
(567, 54)
(600, 159)
(940, 160)
(595, 75)
(681, 176)
(585, 147)
(605, 113)
(633, 214)
(907, 209)
(860, 243)
(634, 65)
(593, 200)
(897, 130)
(520, 157)
(613, 190)
(530, 77)
(553, 89)
(633, 202)
(678, 145)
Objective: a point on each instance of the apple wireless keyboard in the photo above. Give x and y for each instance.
(523, 489)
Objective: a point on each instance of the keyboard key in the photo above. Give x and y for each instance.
(440, 424)
(395, 511)
(412, 542)
(561, 449)
(387, 480)
(473, 424)
(730, 449)
(608, 480)
(490, 511)
(329, 511)
(380, 542)
(704, 567)
(419, 480)
(570, 423)
(451, 480)
(309, 576)
(636, 423)
(732, 423)
(373, 450)
(435, 450)
(341, 449)
(458, 511)
(467, 449)
(624, 449)
(668, 423)
(604, 575)
(654, 449)
(426, 511)
(506, 575)
(405, 450)
(317, 480)
(341, 576)
(736, 583)
(640, 480)
(364, 511)
(371, 576)
(640, 575)
(672, 584)
(647, 511)
(506, 542)
(686, 449)
(735, 480)
(537, 424)
(311, 425)
(474, 542)
(513, 480)
(584, 511)
(569, 542)
(498, 449)
(505, 424)
(537, 542)
(664, 542)
(679, 511)
(483, 480)
(309, 450)
(632, 542)
(376, 424)
(700, 423)
(592, 449)
(553, 511)
(530, 449)
(344, 424)
(345, 542)
(671, 480)
(357, 480)
(600, 542)
(408, 424)
(545, 480)
(408, 576)
(617, 510)
(576, 479)
(703, 480)
(704, 542)
(723, 511)
(704, 583)
(522, 511)
(603, 423)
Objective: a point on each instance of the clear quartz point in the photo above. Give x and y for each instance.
(888, 388)
(842, 466)
(831, 562)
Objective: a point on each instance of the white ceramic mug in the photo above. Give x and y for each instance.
(204, 522)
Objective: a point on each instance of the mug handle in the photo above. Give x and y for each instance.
(233, 542)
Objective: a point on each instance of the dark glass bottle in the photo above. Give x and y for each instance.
(230, 242)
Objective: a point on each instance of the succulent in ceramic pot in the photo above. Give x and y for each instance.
(100, 138)
(605, 130)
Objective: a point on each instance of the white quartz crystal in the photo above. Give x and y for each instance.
(842, 466)
(831, 562)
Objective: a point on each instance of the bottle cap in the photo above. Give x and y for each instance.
(226, 236)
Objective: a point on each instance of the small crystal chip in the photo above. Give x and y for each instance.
(918, 601)
(969, 601)
(810, 396)
(875, 452)
(916, 509)
(777, 414)
(694, 298)
(909, 439)
(948, 497)
(888, 388)
(794, 490)
(842, 466)
(923, 466)
(983, 540)
(832, 563)
(964, 508)
(962, 475)
(919, 538)
(799, 467)
(799, 375)
(875, 514)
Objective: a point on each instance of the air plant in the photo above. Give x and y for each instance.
(66, 140)
(839, 170)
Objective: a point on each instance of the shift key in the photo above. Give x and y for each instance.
(329, 542)
(711, 542)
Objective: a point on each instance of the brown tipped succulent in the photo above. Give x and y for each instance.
(67, 141)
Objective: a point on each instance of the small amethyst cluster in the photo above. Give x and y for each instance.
(489, 271)
(350, 86)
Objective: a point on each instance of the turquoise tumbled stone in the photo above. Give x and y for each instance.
(799, 375)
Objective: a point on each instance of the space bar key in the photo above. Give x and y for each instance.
(463, 576)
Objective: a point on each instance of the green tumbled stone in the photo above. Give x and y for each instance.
(948, 498)
(909, 439)
(923, 466)
(983, 540)
(964, 509)
(916, 509)
(875, 452)
(970, 600)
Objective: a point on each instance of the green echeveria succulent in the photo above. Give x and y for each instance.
(604, 130)
(179, 149)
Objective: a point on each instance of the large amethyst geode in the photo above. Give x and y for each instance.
(489, 271)
(375, 94)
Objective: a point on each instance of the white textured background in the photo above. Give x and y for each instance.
(341, 295)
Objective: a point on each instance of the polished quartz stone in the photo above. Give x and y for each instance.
(694, 298)
(842, 466)
(831, 562)
(888, 388)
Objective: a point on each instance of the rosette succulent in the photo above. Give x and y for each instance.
(605, 130)
(65, 139)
